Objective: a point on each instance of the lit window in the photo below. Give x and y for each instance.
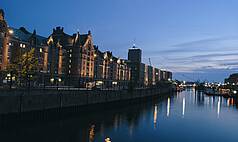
(40, 50)
(70, 55)
(70, 50)
(69, 72)
(11, 31)
(70, 61)
(10, 44)
(69, 66)
(22, 45)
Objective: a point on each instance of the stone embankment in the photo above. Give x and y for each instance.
(19, 101)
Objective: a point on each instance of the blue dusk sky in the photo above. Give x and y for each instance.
(195, 39)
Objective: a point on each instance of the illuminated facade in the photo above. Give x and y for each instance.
(142, 74)
(98, 64)
(110, 71)
(4, 39)
(71, 57)
(73, 60)
(165, 75)
(15, 42)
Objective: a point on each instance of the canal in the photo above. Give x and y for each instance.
(185, 116)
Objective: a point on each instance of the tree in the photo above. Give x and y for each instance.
(24, 67)
(29, 63)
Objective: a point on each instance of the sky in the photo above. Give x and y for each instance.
(195, 39)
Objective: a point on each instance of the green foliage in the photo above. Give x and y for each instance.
(28, 63)
(24, 65)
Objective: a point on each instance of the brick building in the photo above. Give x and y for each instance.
(70, 58)
(73, 60)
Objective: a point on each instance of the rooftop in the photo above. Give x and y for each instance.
(24, 35)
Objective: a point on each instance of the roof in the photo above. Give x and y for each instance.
(134, 48)
(234, 75)
(66, 39)
(2, 13)
(23, 35)
(83, 39)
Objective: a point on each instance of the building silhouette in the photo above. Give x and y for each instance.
(134, 58)
(73, 60)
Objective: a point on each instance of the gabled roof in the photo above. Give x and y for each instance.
(83, 38)
(23, 35)
(66, 39)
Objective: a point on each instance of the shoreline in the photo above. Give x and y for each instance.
(18, 102)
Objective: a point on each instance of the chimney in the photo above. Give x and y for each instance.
(89, 32)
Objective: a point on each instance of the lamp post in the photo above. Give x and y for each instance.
(52, 81)
(9, 79)
(58, 82)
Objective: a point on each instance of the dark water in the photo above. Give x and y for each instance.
(186, 116)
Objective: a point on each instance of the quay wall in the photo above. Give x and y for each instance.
(20, 101)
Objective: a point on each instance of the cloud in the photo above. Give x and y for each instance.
(211, 58)
(206, 45)
(209, 45)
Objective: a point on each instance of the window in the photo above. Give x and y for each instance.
(22, 45)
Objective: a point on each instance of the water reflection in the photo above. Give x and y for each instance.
(228, 102)
(183, 107)
(231, 102)
(168, 107)
(155, 116)
(92, 133)
(218, 106)
(138, 122)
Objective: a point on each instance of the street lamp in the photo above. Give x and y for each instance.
(58, 82)
(52, 80)
(9, 78)
(10, 31)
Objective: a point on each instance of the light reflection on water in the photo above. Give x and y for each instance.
(155, 115)
(183, 107)
(186, 116)
(218, 106)
(168, 107)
